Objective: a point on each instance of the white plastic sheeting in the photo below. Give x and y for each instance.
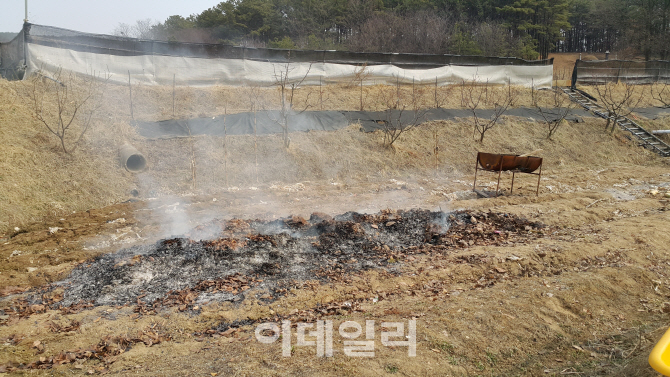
(194, 71)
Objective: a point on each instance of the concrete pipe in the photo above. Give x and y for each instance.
(132, 159)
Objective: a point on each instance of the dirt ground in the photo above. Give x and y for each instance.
(580, 287)
(590, 297)
(564, 62)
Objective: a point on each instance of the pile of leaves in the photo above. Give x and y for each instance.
(231, 329)
(186, 273)
(488, 228)
(107, 351)
(185, 299)
(25, 307)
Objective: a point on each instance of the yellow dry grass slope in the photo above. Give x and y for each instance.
(586, 298)
(37, 180)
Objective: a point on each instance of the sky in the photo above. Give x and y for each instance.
(94, 16)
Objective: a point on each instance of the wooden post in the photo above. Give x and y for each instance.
(193, 166)
(174, 79)
(130, 91)
(256, 144)
(413, 90)
(511, 190)
(532, 91)
(436, 150)
(361, 94)
(509, 87)
(225, 147)
(537, 192)
(397, 90)
(499, 173)
(437, 102)
(474, 185)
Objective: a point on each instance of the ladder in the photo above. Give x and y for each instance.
(646, 138)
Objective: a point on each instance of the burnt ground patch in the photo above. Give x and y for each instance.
(272, 255)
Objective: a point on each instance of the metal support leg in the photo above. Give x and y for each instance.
(537, 193)
(474, 185)
(499, 173)
(511, 190)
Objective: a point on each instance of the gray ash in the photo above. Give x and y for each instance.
(267, 254)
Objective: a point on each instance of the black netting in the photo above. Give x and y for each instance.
(12, 58)
(107, 44)
(269, 122)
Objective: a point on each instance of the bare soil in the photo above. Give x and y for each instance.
(564, 62)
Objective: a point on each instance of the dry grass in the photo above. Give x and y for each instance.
(525, 333)
(37, 181)
(350, 155)
(643, 92)
(151, 103)
(459, 334)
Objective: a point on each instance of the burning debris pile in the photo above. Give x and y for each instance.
(190, 271)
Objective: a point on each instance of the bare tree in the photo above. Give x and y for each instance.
(441, 94)
(561, 107)
(253, 92)
(661, 94)
(65, 104)
(401, 114)
(321, 99)
(287, 87)
(142, 29)
(123, 30)
(420, 32)
(191, 140)
(477, 95)
(361, 73)
(618, 100)
(494, 39)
